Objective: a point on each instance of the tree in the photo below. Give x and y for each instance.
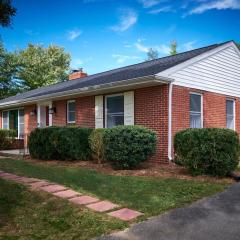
(173, 48)
(152, 54)
(39, 66)
(238, 45)
(7, 11)
(8, 66)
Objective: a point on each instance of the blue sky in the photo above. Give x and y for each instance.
(106, 34)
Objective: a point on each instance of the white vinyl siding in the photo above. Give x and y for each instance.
(114, 110)
(99, 111)
(71, 111)
(129, 108)
(5, 119)
(230, 113)
(219, 72)
(196, 110)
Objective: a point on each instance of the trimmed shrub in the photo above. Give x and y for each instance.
(211, 151)
(61, 143)
(6, 138)
(97, 145)
(128, 146)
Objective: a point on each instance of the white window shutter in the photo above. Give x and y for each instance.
(129, 108)
(99, 111)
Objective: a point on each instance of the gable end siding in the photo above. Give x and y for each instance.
(219, 73)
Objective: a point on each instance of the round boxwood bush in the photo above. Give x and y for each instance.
(211, 151)
(60, 143)
(128, 146)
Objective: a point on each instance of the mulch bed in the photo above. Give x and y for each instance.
(170, 170)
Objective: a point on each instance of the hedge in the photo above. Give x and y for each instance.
(60, 143)
(6, 138)
(210, 151)
(128, 146)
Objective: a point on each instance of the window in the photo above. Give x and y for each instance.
(114, 110)
(5, 120)
(230, 113)
(195, 110)
(20, 123)
(14, 119)
(71, 108)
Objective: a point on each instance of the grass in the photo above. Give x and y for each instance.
(148, 195)
(25, 214)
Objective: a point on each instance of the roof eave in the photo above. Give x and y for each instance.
(150, 80)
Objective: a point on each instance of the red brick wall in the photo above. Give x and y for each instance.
(151, 110)
(180, 109)
(214, 109)
(60, 117)
(30, 122)
(237, 112)
(85, 111)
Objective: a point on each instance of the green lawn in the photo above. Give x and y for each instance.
(25, 214)
(148, 195)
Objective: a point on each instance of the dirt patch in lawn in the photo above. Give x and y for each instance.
(146, 170)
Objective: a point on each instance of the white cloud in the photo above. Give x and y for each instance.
(31, 32)
(73, 34)
(140, 47)
(161, 10)
(151, 3)
(127, 19)
(188, 46)
(123, 58)
(141, 39)
(163, 49)
(171, 29)
(217, 5)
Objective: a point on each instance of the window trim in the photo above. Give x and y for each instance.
(71, 101)
(105, 106)
(201, 95)
(234, 113)
(19, 122)
(8, 111)
(7, 117)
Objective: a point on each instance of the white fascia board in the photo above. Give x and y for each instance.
(93, 90)
(168, 72)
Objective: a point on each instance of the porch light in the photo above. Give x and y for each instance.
(33, 112)
(52, 110)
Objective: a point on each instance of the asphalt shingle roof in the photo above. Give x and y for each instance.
(115, 75)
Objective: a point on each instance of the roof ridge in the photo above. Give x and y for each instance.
(216, 44)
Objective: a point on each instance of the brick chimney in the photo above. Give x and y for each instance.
(78, 73)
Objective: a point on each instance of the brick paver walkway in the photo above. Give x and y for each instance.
(60, 191)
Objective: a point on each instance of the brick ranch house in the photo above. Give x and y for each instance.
(198, 88)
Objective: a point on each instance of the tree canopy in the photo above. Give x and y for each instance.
(173, 48)
(152, 54)
(7, 11)
(39, 66)
(31, 68)
(8, 66)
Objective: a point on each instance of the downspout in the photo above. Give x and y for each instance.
(170, 122)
